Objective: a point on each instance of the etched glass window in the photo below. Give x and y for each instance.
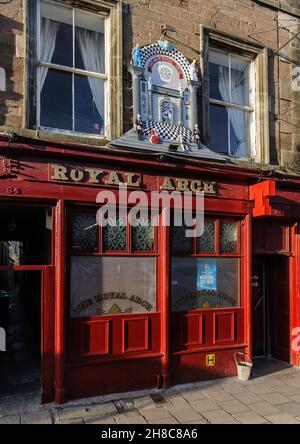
(112, 285)
(204, 283)
(84, 232)
(180, 242)
(228, 237)
(143, 236)
(114, 235)
(206, 242)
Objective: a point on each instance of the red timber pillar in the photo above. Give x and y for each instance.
(294, 278)
(60, 303)
(164, 295)
(247, 280)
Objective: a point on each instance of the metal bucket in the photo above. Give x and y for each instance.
(244, 367)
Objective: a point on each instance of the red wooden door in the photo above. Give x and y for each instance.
(47, 335)
(258, 309)
(280, 308)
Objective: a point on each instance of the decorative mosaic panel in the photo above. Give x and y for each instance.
(181, 243)
(114, 235)
(84, 232)
(228, 237)
(206, 242)
(143, 236)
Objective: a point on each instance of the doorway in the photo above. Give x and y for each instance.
(271, 307)
(27, 301)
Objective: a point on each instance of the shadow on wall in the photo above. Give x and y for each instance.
(9, 98)
(272, 111)
(127, 82)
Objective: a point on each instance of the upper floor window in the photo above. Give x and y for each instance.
(231, 103)
(72, 70)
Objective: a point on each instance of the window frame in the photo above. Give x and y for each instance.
(238, 255)
(72, 70)
(250, 109)
(258, 53)
(112, 10)
(129, 252)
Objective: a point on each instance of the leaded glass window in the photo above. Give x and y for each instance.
(84, 232)
(114, 235)
(206, 242)
(228, 237)
(143, 236)
(180, 242)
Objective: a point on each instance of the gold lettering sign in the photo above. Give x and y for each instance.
(116, 178)
(94, 176)
(180, 184)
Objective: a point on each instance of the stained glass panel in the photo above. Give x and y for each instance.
(181, 243)
(114, 235)
(228, 237)
(84, 232)
(206, 242)
(143, 236)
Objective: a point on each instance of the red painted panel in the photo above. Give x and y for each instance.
(135, 335)
(112, 377)
(95, 337)
(191, 367)
(191, 330)
(224, 327)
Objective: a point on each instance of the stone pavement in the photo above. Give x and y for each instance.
(271, 396)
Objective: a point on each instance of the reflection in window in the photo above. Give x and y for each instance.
(204, 283)
(230, 105)
(206, 242)
(114, 234)
(72, 39)
(112, 285)
(84, 232)
(228, 237)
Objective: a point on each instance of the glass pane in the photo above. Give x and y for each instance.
(206, 242)
(143, 236)
(239, 132)
(84, 232)
(218, 116)
(228, 237)
(114, 235)
(199, 284)
(89, 105)
(57, 34)
(239, 80)
(112, 285)
(219, 75)
(56, 100)
(89, 42)
(181, 243)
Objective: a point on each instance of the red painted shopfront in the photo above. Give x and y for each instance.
(128, 308)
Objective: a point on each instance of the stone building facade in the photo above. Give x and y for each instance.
(272, 24)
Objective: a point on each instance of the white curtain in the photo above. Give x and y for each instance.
(236, 116)
(91, 46)
(48, 40)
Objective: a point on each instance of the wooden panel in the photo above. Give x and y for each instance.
(135, 335)
(95, 338)
(223, 327)
(191, 330)
(270, 237)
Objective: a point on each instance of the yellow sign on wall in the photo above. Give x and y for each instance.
(210, 360)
